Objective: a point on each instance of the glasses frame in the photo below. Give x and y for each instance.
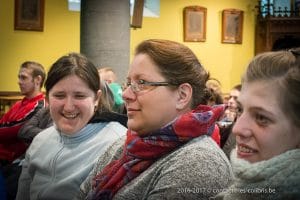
(136, 87)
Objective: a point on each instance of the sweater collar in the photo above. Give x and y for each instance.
(262, 170)
(86, 132)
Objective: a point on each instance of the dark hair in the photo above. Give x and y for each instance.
(178, 64)
(37, 70)
(283, 69)
(213, 97)
(77, 64)
(215, 84)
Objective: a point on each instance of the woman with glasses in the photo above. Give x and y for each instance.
(168, 152)
(266, 162)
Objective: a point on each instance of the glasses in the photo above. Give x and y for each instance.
(144, 85)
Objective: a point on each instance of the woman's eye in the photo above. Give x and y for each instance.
(261, 120)
(59, 96)
(80, 96)
(141, 81)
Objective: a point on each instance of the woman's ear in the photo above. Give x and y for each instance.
(185, 93)
(98, 97)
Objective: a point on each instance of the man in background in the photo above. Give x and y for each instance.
(31, 78)
(108, 75)
(231, 112)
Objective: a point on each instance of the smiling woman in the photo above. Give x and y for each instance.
(71, 106)
(268, 129)
(61, 157)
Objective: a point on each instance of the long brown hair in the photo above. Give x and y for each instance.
(178, 64)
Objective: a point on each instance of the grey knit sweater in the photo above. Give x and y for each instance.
(275, 179)
(196, 170)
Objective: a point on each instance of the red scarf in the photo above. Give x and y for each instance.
(136, 156)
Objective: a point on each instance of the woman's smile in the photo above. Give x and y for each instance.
(70, 115)
(244, 151)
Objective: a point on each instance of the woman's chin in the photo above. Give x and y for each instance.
(250, 157)
(69, 130)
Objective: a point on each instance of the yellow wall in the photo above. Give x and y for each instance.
(225, 62)
(60, 36)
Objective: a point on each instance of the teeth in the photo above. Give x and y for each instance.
(70, 115)
(245, 149)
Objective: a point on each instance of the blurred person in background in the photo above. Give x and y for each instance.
(109, 76)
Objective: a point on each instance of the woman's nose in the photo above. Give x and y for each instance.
(69, 104)
(242, 126)
(128, 94)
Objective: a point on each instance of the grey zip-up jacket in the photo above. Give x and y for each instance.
(56, 164)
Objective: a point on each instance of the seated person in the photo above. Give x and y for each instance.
(108, 75)
(214, 99)
(35, 125)
(266, 162)
(215, 85)
(61, 156)
(232, 106)
(31, 78)
(106, 104)
(42, 119)
(168, 152)
(227, 120)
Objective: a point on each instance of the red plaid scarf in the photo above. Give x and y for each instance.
(136, 156)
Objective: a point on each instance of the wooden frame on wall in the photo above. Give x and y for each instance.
(194, 24)
(137, 16)
(232, 26)
(29, 15)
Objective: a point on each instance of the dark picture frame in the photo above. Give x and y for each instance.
(232, 26)
(29, 15)
(194, 24)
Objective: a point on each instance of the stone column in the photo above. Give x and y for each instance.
(105, 34)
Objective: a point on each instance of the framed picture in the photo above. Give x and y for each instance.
(232, 26)
(194, 24)
(29, 15)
